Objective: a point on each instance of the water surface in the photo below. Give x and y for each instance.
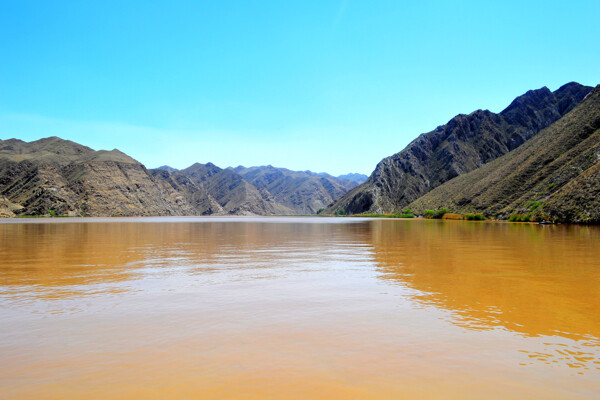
(254, 308)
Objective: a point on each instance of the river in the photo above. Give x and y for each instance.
(298, 308)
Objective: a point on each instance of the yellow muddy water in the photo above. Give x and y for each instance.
(298, 308)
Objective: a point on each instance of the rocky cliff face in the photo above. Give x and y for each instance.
(555, 175)
(464, 144)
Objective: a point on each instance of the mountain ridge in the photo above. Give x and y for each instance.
(555, 175)
(465, 143)
(72, 179)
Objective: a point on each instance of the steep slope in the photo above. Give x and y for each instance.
(68, 178)
(464, 144)
(302, 192)
(555, 175)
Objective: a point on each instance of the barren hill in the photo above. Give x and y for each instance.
(58, 176)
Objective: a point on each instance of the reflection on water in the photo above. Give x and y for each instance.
(45, 261)
(307, 307)
(533, 280)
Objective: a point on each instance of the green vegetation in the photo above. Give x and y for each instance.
(439, 214)
(519, 218)
(407, 213)
(340, 213)
(534, 205)
(474, 217)
(442, 213)
(52, 213)
(393, 215)
(320, 210)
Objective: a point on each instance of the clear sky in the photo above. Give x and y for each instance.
(330, 86)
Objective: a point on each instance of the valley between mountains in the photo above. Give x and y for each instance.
(539, 157)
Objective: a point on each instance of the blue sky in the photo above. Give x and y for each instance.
(330, 86)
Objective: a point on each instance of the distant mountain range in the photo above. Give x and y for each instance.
(56, 176)
(358, 178)
(538, 158)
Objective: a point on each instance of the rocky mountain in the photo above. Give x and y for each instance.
(358, 178)
(555, 175)
(56, 176)
(464, 144)
(213, 190)
(499, 164)
(303, 192)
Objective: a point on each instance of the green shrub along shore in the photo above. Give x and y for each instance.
(519, 218)
(402, 214)
(442, 213)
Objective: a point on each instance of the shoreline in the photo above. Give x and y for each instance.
(246, 218)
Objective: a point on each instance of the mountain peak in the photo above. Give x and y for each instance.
(570, 86)
(167, 168)
(534, 97)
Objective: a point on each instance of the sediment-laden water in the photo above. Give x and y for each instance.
(319, 308)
